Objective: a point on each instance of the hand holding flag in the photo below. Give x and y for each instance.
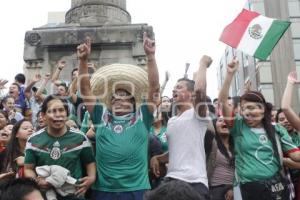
(292, 77)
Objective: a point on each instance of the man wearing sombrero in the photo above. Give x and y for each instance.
(116, 99)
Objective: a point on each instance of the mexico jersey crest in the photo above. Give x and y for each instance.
(118, 128)
(55, 152)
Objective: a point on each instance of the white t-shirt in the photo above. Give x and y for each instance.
(185, 136)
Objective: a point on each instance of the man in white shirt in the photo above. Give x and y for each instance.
(186, 131)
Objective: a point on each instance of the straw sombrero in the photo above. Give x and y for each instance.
(110, 78)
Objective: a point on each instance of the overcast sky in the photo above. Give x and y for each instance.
(184, 31)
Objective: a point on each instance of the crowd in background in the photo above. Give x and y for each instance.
(68, 144)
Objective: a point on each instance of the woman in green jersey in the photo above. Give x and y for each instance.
(257, 144)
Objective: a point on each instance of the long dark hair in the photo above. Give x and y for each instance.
(5, 115)
(13, 149)
(222, 147)
(257, 97)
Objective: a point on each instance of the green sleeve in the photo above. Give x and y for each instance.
(30, 157)
(286, 141)
(147, 116)
(96, 115)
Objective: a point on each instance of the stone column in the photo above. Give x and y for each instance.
(98, 12)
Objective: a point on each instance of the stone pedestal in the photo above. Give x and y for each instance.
(106, 22)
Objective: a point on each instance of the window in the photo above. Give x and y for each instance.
(295, 27)
(268, 92)
(265, 72)
(294, 8)
(297, 48)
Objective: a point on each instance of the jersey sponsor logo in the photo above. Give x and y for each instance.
(55, 153)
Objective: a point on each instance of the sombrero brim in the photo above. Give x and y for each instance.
(110, 78)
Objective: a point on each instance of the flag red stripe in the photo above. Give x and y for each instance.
(234, 32)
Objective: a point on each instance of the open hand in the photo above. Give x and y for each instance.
(36, 78)
(9, 175)
(3, 83)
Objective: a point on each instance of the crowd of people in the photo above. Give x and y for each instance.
(110, 135)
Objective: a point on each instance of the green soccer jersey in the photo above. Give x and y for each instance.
(162, 137)
(122, 150)
(71, 151)
(254, 155)
(295, 138)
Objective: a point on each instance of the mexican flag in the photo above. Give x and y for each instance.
(254, 34)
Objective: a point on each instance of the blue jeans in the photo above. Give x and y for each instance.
(134, 195)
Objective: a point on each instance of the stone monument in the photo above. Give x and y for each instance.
(106, 22)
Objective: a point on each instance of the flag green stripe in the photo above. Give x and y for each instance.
(271, 38)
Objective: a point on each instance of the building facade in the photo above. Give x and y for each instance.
(269, 76)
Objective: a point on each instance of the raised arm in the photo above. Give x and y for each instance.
(153, 77)
(227, 110)
(39, 93)
(60, 66)
(291, 116)
(2, 86)
(73, 90)
(200, 86)
(83, 52)
(27, 90)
